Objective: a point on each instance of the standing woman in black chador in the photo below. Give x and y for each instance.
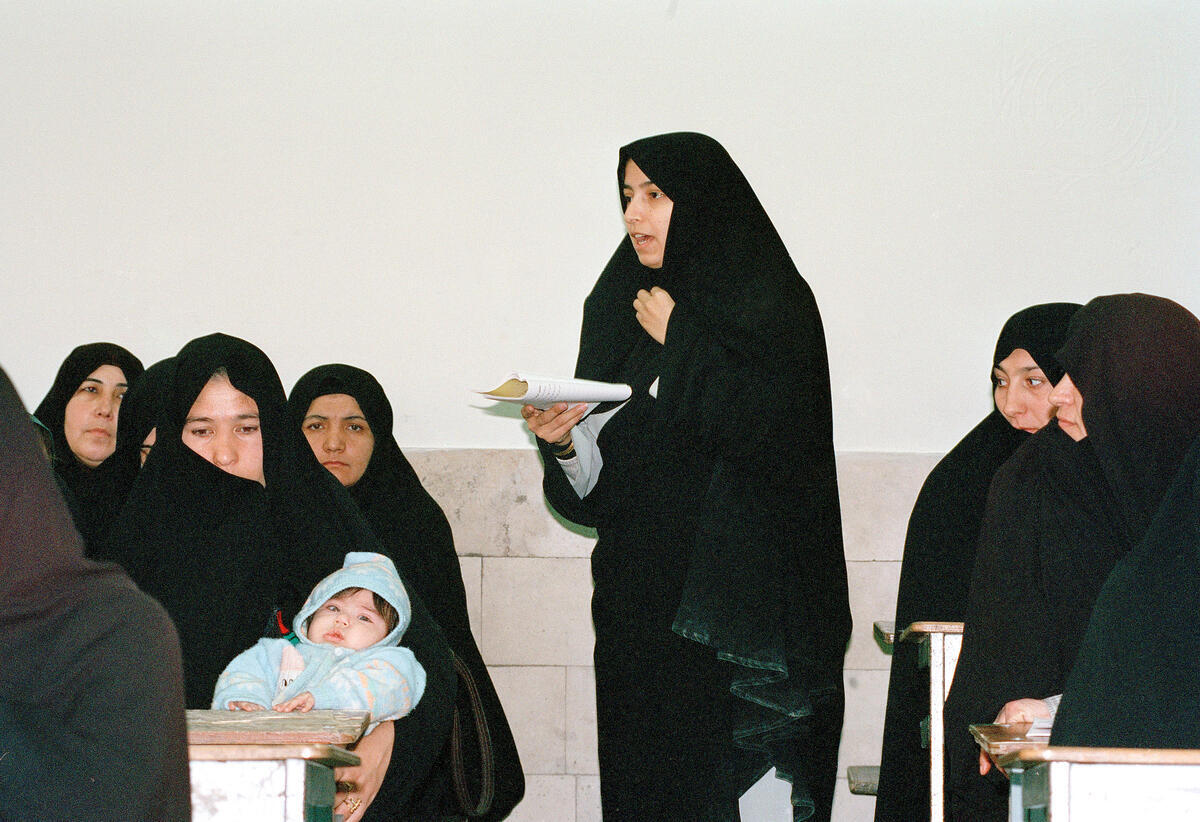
(231, 520)
(720, 602)
(939, 550)
(347, 420)
(91, 690)
(1068, 505)
(81, 410)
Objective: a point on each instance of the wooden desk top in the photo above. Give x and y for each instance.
(1028, 757)
(329, 755)
(917, 630)
(274, 728)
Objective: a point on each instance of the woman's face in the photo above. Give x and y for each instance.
(90, 419)
(223, 427)
(340, 436)
(1023, 392)
(647, 216)
(1069, 402)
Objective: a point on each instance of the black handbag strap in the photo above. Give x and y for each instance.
(487, 764)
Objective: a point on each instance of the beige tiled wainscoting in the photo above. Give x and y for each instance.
(529, 587)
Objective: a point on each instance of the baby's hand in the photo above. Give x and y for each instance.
(245, 706)
(300, 702)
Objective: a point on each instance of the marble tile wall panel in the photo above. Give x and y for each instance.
(587, 799)
(848, 807)
(548, 798)
(877, 492)
(534, 700)
(537, 611)
(581, 721)
(494, 501)
(872, 598)
(862, 730)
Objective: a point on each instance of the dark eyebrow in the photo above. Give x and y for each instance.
(210, 419)
(646, 184)
(101, 382)
(308, 417)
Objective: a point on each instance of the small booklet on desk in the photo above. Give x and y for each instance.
(543, 392)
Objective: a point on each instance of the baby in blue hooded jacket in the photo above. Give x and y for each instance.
(348, 655)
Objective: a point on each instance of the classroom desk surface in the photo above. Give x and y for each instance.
(1059, 783)
(275, 728)
(918, 629)
(269, 766)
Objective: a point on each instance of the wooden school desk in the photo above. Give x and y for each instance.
(267, 766)
(1056, 783)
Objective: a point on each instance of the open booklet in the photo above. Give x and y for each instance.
(544, 392)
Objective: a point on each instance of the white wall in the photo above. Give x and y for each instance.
(427, 189)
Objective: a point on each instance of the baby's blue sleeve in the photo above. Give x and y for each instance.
(387, 682)
(251, 676)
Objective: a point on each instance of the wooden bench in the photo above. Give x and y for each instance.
(268, 766)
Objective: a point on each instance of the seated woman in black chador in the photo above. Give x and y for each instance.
(1061, 512)
(91, 688)
(939, 550)
(720, 602)
(82, 410)
(1136, 677)
(347, 419)
(231, 521)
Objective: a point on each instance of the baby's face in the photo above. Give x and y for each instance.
(349, 621)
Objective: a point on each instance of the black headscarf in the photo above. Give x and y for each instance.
(140, 409)
(222, 553)
(96, 494)
(416, 535)
(1135, 359)
(744, 385)
(91, 690)
(1062, 514)
(939, 553)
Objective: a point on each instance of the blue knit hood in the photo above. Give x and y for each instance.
(362, 569)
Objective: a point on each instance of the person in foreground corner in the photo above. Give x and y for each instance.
(91, 682)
